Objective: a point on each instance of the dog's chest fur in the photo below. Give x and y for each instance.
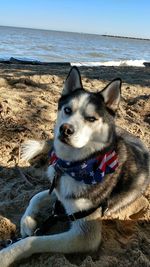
(68, 190)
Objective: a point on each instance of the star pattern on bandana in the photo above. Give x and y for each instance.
(83, 165)
(90, 171)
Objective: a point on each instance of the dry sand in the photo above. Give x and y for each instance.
(28, 105)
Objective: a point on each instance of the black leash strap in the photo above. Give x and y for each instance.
(58, 174)
(57, 217)
(52, 186)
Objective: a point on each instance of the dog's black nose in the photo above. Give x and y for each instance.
(66, 129)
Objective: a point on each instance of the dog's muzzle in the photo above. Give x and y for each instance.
(66, 130)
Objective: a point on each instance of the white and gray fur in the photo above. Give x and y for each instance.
(90, 120)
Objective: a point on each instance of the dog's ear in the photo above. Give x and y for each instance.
(73, 81)
(112, 93)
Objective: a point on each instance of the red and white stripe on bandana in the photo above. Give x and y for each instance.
(110, 160)
(53, 158)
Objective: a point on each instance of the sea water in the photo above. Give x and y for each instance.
(57, 46)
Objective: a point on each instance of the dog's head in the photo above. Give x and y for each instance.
(85, 120)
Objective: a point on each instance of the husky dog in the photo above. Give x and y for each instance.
(99, 169)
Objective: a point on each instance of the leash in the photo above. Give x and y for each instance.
(58, 213)
(55, 218)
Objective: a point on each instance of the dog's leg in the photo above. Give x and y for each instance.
(121, 201)
(124, 197)
(28, 221)
(83, 236)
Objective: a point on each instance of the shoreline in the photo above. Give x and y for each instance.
(129, 74)
(120, 63)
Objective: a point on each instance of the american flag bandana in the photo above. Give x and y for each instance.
(91, 171)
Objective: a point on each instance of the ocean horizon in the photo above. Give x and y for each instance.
(106, 35)
(60, 46)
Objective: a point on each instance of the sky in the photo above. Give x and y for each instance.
(112, 17)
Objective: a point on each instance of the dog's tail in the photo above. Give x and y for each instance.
(33, 149)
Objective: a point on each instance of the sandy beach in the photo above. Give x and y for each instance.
(28, 106)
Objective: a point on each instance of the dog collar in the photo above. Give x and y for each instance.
(90, 171)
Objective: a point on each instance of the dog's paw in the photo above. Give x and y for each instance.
(28, 226)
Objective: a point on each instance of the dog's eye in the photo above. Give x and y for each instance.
(90, 119)
(67, 110)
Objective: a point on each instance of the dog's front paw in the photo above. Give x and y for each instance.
(28, 226)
